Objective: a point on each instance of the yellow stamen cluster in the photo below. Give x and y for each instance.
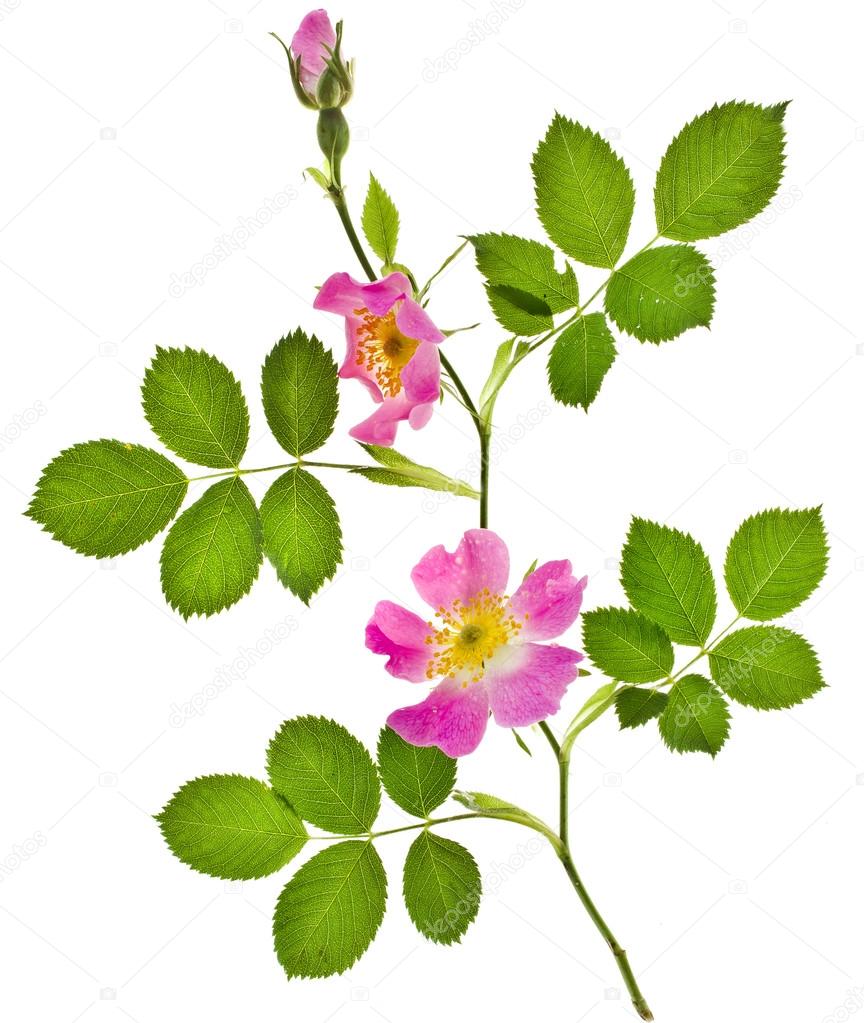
(383, 349)
(469, 634)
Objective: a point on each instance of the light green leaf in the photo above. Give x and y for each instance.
(442, 888)
(721, 170)
(380, 222)
(302, 536)
(326, 774)
(627, 646)
(775, 561)
(400, 471)
(417, 778)
(635, 706)
(580, 359)
(196, 407)
(523, 286)
(584, 193)
(330, 910)
(662, 292)
(212, 553)
(666, 575)
(298, 388)
(696, 717)
(766, 666)
(502, 809)
(233, 827)
(104, 497)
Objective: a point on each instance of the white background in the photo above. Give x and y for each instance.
(135, 135)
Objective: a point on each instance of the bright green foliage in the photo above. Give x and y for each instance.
(380, 222)
(499, 809)
(580, 359)
(635, 706)
(298, 388)
(330, 910)
(302, 535)
(523, 286)
(627, 646)
(584, 193)
(775, 561)
(196, 407)
(721, 170)
(232, 827)
(326, 774)
(417, 778)
(766, 666)
(400, 471)
(696, 717)
(666, 576)
(442, 887)
(212, 553)
(662, 292)
(105, 497)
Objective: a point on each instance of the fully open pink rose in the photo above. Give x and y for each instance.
(484, 646)
(392, 351)
(311, 45)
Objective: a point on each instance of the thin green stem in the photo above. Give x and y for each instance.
(550, 735)
(426, 824)
(338, 196)
(299, 464)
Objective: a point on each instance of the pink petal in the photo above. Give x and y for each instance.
(451, 717)
(314, 33)
(402, 661)
(380, 427)
(414, 322)
(351, 369)
(401, 625)
(420, 415)
(526, 682)
(421, 378)
(341, 294)
(551, 597)
(480, 561)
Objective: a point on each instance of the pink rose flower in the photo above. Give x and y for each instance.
(485, 646)
(392, 351)
(311, 47)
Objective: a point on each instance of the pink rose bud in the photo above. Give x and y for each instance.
(322, 78)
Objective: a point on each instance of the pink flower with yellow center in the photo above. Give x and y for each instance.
(485, 647)
(392, 351)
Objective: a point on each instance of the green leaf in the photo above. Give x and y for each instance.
(325, 774)
(105, 497)
(523, 286)
(775, 561)
(766, 666)
(627, 646)
(233, 827)
(662, 292)
(417, 778)
(721, 170)
(380, 221)
(302, 536)
(442, 888)
(696, 717)
(502, 809)
(580, 359)
(212, 553)
(400, 471)
(584, 193)
(666, 576)
(635, 706)
(330, 910)
(298, 388)
(196, 407)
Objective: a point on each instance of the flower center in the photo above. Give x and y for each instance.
(383, 349)
(469, 634)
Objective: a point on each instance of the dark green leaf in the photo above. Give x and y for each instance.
(196, 407)
(302, 536)
(325, 774)
(442, 888)
(635, 706)
(767, 667)
(105, 497)
(232, 827)
(696, 717)
(662, 292)
(329, 912)
(417, 778)
(580, 359)
(627, 646)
